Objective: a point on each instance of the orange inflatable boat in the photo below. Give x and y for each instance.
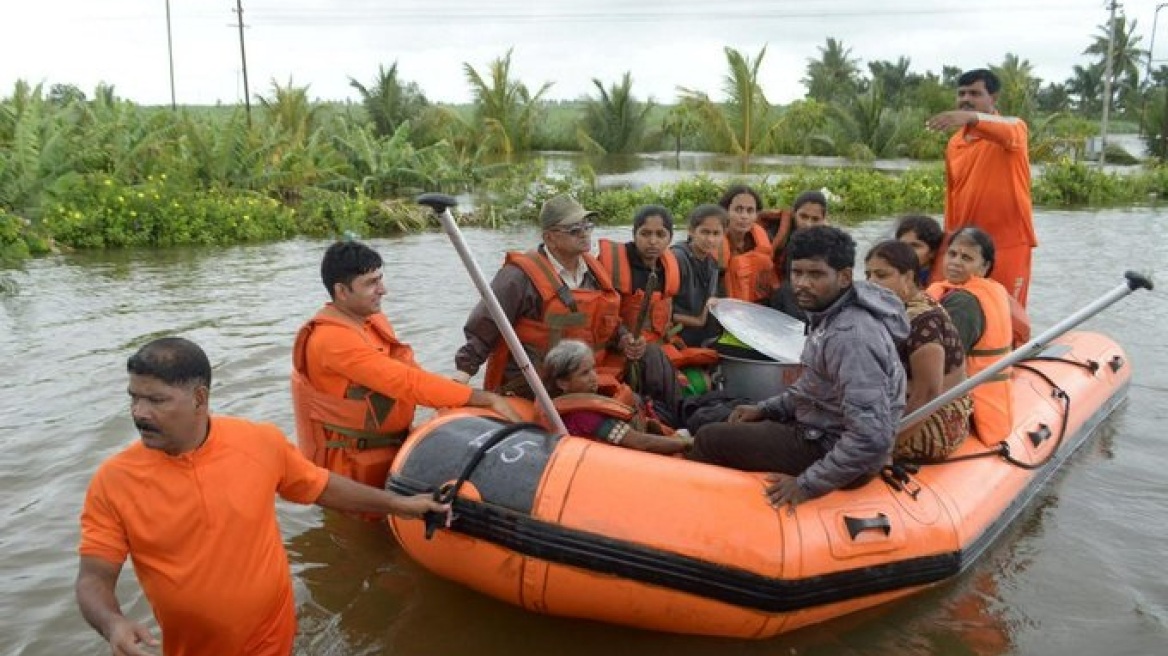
(579, 528)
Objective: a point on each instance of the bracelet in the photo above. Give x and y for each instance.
(618, 433)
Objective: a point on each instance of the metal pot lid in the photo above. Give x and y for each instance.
(768, 331)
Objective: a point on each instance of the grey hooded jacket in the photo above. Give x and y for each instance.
(851, 390)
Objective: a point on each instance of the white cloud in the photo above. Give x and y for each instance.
(663, 43)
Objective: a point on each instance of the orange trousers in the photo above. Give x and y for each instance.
(1012, 270)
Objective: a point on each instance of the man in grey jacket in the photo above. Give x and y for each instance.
(836, 425)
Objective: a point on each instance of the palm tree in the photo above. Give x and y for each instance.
(505, 111)
(614, 122)
(681, 121)
(1053, 97)
(1085, 87)
(740, 122)
(1126, 57)
(868, 123)
(895, 78)
(834, 75)
(389, 102)
(1019, 89)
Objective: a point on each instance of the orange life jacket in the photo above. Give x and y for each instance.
(750, 276)
(993, 406)
(357, 435)
(623, 405)
(589, 315)
(778, 224)
(614, 257)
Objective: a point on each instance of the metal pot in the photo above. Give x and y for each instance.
(755, 376)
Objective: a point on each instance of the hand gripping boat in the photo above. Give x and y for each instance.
(578, 528)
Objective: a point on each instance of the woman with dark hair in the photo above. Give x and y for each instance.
(981, 310)
(697, 262)
(569, 373)
(749, 274)
(933, 357)
(630, 265)
(925, 236)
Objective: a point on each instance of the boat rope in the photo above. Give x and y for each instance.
(1003, 448)
(447, 492)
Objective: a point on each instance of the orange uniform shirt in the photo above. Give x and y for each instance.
(338, 356)
(201, 531)
(987, 171)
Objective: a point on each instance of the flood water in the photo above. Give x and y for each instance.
(1081, 572)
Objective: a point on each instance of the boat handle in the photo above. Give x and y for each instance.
(857, 525)
(1039, 436)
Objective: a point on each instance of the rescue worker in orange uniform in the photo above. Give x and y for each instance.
(355, 385)
(987, 178)
(559, 291)
(191, 504)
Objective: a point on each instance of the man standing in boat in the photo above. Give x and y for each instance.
(987, 178)
(191, 504)
(559, 291)
(354, 384)
(836, 425)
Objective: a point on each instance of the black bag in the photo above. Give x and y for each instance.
(709, 408)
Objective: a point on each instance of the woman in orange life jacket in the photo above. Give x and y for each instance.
(749, 272)
(980, 309)
(933, 356)
(569, 372)
(697, 263)
(925, 236)
(809, 209)
(630, 264)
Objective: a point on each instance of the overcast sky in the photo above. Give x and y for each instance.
(664, 43)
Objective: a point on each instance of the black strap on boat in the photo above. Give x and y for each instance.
(1038, 436)
(449, 491)
(1060, 394)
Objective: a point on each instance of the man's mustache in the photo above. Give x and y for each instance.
(145, 426)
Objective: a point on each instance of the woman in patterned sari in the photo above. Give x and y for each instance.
(933, 357)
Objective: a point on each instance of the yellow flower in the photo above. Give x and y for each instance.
(162, 177)
(108, 182)
(141, 195)
(77, 215)
(121, 200)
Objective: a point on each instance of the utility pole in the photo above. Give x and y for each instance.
(1107, 86)
(1148, 69)
(243, 58)
(170, 56)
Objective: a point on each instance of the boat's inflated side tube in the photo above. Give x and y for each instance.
(507, 475)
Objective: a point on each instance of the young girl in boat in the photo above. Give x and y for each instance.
(925, 236)
(569, 373)
(933, 357)
(697, 262)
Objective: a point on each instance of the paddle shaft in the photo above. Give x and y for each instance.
(504, 325)
(1133, 282)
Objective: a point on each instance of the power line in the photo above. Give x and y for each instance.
(280, 17)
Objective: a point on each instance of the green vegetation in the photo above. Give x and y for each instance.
(93, 172)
